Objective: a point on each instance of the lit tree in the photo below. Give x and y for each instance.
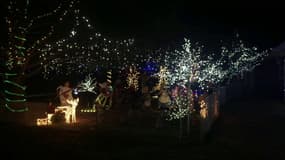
(81, 53)
(184, 67)
(241, 58)
(23, 47)
(188, 66)
(213, 74)
(180, 106)
(185, 64)
(83, 50)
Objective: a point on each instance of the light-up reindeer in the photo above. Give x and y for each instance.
(73, 103)
(69, 111)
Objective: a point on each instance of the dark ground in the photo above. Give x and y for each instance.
(246, 130)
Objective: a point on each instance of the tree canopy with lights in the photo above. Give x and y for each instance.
(83, 49)
(27, 53)
(26, 35)
(189, 65)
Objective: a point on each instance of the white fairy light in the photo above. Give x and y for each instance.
(82, 51)
(180, 106)
(73, 33)
(185, 64)
(241, 58)
(87, 85)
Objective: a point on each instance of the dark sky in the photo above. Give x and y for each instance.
(164, 21)
(160, 22)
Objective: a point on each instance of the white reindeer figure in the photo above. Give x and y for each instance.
(73, 103)
(69, 111)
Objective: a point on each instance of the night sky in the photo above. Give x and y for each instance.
(160, 23)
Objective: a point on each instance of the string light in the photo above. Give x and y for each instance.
(212, 74)
(87, 85)
(9, 85)
(45, 121)
(180, 104)
(76, 54)
(92, 110)
(133, 78)
(69, 111)
(185, 64)
(22, 49)
(162, 76)
(188, 67)
(240, 58)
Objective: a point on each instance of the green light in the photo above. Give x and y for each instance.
(14, 94)
(15, 84)
(15, 100)
(20, 38)
(88, 110)
(20, 47)
(16, 110)
(10, 74)
(19, 62)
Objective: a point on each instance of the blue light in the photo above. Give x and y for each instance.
(150, 68)
(75, 91)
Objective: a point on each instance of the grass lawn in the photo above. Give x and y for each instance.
(246, 130)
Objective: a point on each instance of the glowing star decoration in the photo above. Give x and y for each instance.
(87, 85)
(133, 78)
(203, 109)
